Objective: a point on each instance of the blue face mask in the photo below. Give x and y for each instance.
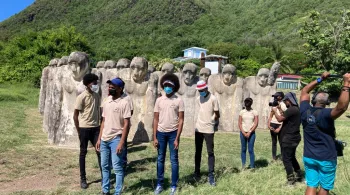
(168, 90)
(202, 93)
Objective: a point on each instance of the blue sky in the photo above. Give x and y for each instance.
(12, 7)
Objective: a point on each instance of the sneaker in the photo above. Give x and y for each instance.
(211, 180)
(159, 189)
(196, 176)
(299, 176)
(290, 180)
(83, 184)
(173, 190)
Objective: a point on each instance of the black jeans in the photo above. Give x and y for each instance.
(275, 137)
(86, 135)
(209, 140)
(289, 161)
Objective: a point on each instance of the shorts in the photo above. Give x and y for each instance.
(319, 172)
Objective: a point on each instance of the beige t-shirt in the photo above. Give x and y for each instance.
(284, 108)
(89, 110)
(114, 113)
(127, 97)
(248, 119)
(168, 109)
(206, 116)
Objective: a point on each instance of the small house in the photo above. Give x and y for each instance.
(288, 81)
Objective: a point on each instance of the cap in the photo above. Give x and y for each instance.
(278, 94)
(169, 82)
(292, 98)
(201, 85)
(116, 81)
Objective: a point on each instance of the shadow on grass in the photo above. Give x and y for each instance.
(96, 181)
(136, 148)
(145, 186)
(140, 165)
(261, 163)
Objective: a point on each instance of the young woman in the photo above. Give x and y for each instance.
(248, 121)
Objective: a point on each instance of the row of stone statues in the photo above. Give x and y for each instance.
(61, 82)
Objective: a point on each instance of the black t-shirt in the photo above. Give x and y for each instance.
(290, 131)
(318, 143)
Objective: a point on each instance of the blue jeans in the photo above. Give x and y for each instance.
(108, 150)
(250, 141)
(164, 139)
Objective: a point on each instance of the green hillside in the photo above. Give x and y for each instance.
(163, 28)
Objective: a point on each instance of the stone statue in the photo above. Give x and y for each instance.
(260, 88)
(100, 71)
(204, 74)
(123, 63)
(151, 69)
(228, 89)
(142, 88)
(72, 86)
(188, 80)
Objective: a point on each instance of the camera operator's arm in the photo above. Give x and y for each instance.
(304, 96)
(279, 118)
(343, 101)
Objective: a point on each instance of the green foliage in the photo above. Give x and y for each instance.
(24, 57)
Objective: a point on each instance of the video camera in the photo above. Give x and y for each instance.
(274, 101)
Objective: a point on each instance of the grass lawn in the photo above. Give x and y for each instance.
(28, 165)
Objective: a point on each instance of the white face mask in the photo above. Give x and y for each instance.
(95, 88)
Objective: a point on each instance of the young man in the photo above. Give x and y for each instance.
(208, 113)
(290, 134)
(114, 130)
(87, 121)
(167, 128)
(320, 153)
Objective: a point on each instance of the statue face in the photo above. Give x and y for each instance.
(228, 76)
(78, 69)
(138, 71)
(262, 79)
(188, 76)
(204, 76)
(121, 66)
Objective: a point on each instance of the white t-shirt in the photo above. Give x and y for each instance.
(248, 119)
(284, 108)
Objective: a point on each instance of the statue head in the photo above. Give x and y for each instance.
(273, 73)
(109, 64)
(62, 61)
(228, 74)
(54, 62)
(262, 76)
(167, 68)
(100, 64)
(139, 69)
(151, 68)
(79, 64)
(123, 63)
(204, 74)
(189, 72)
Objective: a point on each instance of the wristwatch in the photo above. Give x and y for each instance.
(319, 80)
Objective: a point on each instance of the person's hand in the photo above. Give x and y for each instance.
(248, 134)
(155, 142)
(346, 79)
(120, 148)
(277, 130)
(271, 128)
(325, 75)
(176, 144)
(97, 146)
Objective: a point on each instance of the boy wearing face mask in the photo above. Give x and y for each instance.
(87, 121)
(114, 130)
(167, 128)
(208, 114)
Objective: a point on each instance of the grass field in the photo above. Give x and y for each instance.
(28, 165)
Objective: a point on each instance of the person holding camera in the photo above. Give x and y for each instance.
(320, 146)
(273, 123)
(290, 134)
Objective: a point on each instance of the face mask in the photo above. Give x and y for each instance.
(202, 93)
(95, 88)
(112, 92)
(168, 90)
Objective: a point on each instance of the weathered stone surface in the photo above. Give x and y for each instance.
(204, 74)
(260, 88)
(167, 67)
(72, 86)
(142, 88)
(228, 89)
(123, 63)
(100, 71)
(188, 81)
